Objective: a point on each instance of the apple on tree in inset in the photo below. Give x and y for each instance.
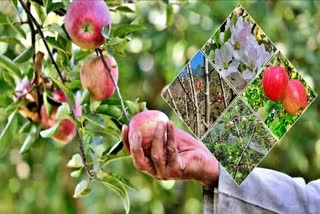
(67, 129)
(275, 81)
(95, 77)
(295, 99)
(146, 123)
(85, 21)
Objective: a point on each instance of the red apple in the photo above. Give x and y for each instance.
(295, 99)
(95, 77)
(146, 122)
(67, 129)
(275, 81)
(85, 21)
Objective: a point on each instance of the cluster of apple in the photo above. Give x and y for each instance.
(278, 87)
(84, 22)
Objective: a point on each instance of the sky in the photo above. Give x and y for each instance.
(195, 62)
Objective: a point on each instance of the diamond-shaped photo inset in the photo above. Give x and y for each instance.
(239, 140)
(239, 48)
(279, 95)
(199, 94)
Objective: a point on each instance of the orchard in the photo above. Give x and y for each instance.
(68, 112)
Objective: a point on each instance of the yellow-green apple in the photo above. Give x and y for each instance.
(67, 129)
(85, 20)
(295, 99)
(146, 122)
(95, 77)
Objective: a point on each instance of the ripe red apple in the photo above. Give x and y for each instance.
(275, 81)
(85, 21)
(67, 129)
(296, 98)
(95, 77)
(146, 122)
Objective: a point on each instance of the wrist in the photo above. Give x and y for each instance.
(210, 176)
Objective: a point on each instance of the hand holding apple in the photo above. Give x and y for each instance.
(174, 154)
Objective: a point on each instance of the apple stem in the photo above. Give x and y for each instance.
(38, 26)
(114, 84)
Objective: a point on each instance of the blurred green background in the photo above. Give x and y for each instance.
(39, 182)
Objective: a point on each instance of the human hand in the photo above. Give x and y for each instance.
(176, 156)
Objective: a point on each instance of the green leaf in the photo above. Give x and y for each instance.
(54, 27)
(11, 40)
(3, 20)
(75, 162)
(8, 132)
(50, 132)
(217, 37)
(8, 64)
(123, 180)
(54, 6)
(227, 35)
(115, 185)
(82, 189)
(119, 45)
(106, 31)
(63, 112)
(96, 120)
(47, 105)
(74, 84)
(94, 104)
(59, 44)
(124, 9)
(30, 139)
(132, 107)
(126, 29)
(40, 11)
(170, 15)
(25, 55)
(65, 89)
(17, 28)
(76, 173)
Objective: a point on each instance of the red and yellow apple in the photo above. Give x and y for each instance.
(95, 77)
(275, 81)
(85, 21)
(67, 129)
(295, 99)
(146, 123)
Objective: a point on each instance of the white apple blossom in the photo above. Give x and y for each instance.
(223, 59)
(240, 33)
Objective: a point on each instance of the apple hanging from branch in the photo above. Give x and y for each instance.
(67, 129)
(275, 81)
(85, 21)
(95, 77)
(295, 99)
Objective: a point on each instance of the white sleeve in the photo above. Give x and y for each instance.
(266, 191)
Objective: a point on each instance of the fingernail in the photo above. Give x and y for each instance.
(123, 128)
